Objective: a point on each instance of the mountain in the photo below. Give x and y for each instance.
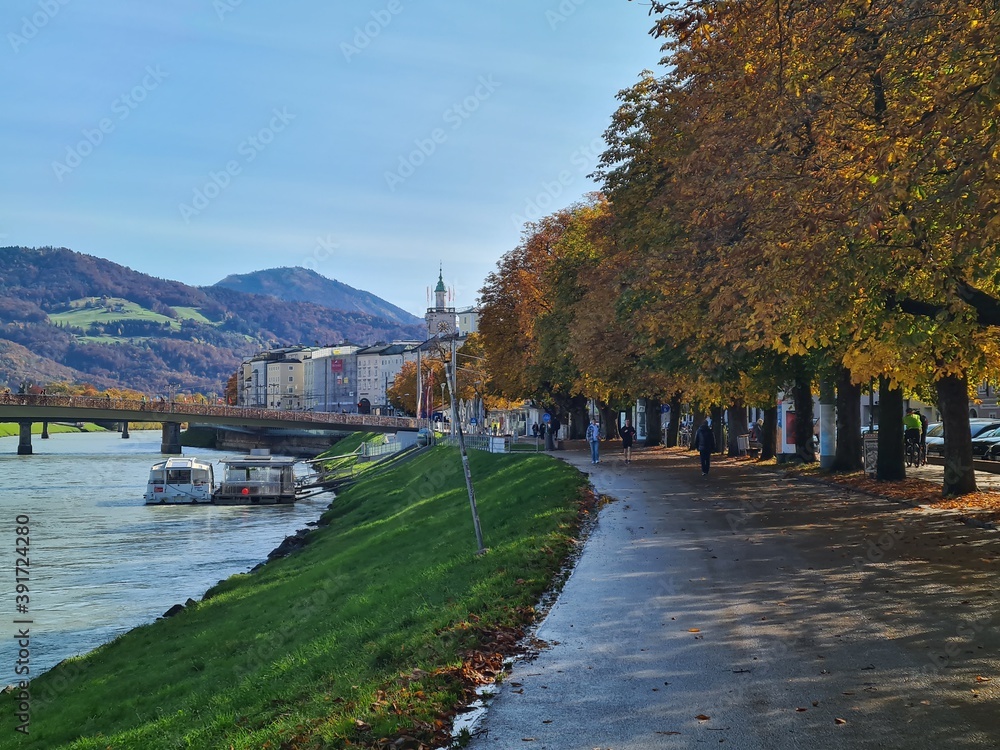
(74, 317)
(304, 285)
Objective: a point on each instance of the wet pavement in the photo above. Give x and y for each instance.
(749, 610)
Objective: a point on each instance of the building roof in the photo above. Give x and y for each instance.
(440, 287)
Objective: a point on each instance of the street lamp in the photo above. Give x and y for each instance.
(442, 402)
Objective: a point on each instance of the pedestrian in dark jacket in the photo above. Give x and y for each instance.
(628, 435)
(704, 442)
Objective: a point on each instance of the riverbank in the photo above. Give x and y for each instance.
(9, 429)
(377, 629)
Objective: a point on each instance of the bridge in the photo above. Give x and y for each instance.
(25, 409)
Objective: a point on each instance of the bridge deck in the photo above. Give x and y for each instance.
(16, 407)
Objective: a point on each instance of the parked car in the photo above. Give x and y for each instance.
(982, 443)
(935, 433)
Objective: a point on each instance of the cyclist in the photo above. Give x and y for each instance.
(911, 431)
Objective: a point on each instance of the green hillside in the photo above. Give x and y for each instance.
(374, 630)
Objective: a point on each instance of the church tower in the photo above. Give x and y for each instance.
(440, 318)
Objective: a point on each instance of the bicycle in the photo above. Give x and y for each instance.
(912, 452)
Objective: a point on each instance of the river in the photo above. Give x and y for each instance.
(102, 562)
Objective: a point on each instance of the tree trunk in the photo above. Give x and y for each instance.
(717, 413)
(675, 419)
(578, 418)
(848, 457)
(610, 418)
(890, 466)
(769, 433)
(805, 449)
(737, 425)
(654, 423)
(953, 401)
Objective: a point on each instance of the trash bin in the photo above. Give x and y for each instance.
(869, 445)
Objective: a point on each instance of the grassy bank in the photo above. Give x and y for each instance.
(13, 430)
(372, 631)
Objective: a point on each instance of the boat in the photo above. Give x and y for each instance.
(180, 481)
(257, 479)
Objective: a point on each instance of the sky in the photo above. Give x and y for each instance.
(370, 141)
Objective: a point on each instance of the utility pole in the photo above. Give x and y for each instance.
(420, 386)
(450, 378)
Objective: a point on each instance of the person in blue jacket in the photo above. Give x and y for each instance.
(594, 438)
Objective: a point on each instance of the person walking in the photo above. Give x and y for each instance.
(594, 438)
(704, 443)
(628, 435)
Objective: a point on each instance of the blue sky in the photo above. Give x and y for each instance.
(369, 140)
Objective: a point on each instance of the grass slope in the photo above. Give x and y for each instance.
(364, 634)
(8, 429)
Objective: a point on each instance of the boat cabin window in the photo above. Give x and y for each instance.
(179, 476)
(200, 475)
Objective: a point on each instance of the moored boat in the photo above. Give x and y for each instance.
(180, 481)
(257, 479)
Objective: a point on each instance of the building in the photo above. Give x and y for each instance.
(331, 379)
(263, 384)
(286, 382)
(378, 367)
(440, 319)
(467, 320)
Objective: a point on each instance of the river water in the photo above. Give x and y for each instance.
(101, 561)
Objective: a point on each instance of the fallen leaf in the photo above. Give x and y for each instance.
(702, 717)
(694, 630)
(666, 733)
(800, 710)
(925, 703)
(815, 703)
(840, 721)
(983, 679)
(361, 725)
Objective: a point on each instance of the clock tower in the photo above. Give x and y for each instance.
(440, 318)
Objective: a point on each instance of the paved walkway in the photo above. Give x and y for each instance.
(753, 611)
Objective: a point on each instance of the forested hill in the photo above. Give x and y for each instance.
(90, 320)
(304, 285)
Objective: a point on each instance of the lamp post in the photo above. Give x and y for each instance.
(478, 406)
(442, 404)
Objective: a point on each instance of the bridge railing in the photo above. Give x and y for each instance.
(159, 409)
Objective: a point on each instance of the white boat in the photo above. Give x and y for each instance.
(180, 481)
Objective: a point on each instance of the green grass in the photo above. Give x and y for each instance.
(355, 638)
(11, 430)
(84, 316)
(192, 313)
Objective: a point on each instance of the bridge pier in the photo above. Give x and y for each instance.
(45, 430)
(24, 444)
(170, 444)
(125, 435)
